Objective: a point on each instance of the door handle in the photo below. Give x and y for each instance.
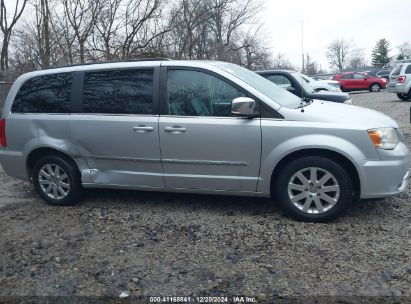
(143, 129)
(175, 129)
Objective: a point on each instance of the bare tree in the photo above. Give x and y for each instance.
(280, 62)
(7, 29)
(141, 26)
(357, 58)
(107, 28)
(228, 16)
(404, 50)
(338, 52)
(188, 28)
(81, 15)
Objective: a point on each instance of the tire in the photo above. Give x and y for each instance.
(57, 181)
(290, 187)
(404, 96)
(375, 87)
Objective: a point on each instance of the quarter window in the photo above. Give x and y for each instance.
(193, 93)
(408, 69)
(44, 94)
(118, 92)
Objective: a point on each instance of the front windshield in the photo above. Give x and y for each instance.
(271, 90)
(304, 84)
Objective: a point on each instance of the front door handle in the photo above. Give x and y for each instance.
(175, 129)
(143, 129)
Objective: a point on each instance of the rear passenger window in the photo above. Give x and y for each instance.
(44, 94)
(119, 92)
(408, 69)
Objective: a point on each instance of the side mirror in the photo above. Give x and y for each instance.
(291, 89)
(243, 106)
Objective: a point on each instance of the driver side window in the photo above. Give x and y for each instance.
(358, 76)
(194, 93)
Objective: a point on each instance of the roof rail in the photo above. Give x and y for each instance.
(402, 61)
(112, 61)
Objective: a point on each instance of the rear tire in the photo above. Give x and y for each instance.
(404, 96)
(314, 189)
(57, 180)
(375, 87)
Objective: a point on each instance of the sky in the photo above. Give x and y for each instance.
(361, 21)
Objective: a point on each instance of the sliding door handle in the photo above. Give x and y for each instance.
(143, 129)
(175, 129)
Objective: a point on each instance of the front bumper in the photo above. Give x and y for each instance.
(388, 176)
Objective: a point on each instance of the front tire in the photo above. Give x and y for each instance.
(57, 180)
(375, 87)
(314, 189)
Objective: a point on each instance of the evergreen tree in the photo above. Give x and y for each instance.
(380, 53)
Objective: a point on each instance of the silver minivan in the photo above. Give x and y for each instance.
(198, 127)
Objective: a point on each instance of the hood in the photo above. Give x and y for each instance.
(330, 96)
(336, 113)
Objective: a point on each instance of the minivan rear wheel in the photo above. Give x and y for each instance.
(314, 189)
(57, 181)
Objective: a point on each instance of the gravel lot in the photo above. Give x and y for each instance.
(162, 244)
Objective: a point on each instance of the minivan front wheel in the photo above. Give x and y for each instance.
(57, 181)
(315, 189)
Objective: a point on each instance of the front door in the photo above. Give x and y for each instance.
(116, 133)
(202, 146)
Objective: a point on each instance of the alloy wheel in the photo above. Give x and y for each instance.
(313, 190)
(375, 88)
(54, 181)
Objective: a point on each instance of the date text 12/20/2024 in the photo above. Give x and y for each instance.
(205, 299)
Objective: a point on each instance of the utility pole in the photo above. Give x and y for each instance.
(302, 46)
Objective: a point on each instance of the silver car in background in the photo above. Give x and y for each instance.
(400, 80)
(197, 127)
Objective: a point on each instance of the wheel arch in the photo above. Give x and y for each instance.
(339, 158)
(37, 153)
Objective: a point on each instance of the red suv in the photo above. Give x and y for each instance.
(353, 81)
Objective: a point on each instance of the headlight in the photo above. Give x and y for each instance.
(384, 138)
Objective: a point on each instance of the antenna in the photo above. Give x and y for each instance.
(302, 65)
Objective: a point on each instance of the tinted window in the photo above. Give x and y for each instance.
(347, 76)
(280, 80)
(192, 93)
(408, 69)
(44, 94)
(119, 92)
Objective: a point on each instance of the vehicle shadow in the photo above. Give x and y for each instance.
(179, 201)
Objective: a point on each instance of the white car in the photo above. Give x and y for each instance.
(322, 85)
